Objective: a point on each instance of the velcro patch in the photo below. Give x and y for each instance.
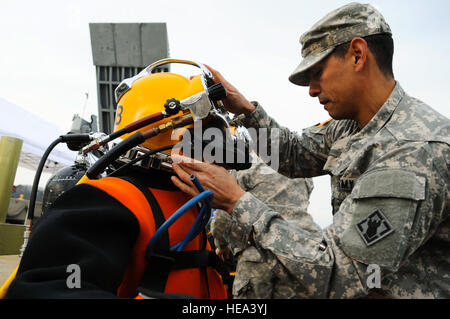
(374, 228)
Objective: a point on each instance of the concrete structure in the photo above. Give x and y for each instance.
(121, 50)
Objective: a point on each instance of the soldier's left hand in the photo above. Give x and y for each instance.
(214, 178)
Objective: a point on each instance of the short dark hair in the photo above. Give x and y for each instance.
(382, 47)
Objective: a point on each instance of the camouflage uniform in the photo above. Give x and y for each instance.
(289, 197)
(390, 197)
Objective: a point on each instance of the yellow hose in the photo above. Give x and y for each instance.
(7, 283)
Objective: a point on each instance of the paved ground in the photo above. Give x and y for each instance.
(7, 264)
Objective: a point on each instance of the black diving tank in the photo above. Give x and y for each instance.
(60, 182)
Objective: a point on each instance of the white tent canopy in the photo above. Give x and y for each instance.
(37, 134)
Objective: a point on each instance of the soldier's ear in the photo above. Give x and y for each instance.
(358, 52)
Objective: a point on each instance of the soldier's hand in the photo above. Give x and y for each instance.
(235, 102)
(214, 178)
(223, 253)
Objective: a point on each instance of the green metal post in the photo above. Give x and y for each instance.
(10, 148)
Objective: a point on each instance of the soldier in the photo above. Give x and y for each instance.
(388, 157)
(289, 197)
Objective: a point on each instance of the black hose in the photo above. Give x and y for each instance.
(140, 158)
(99, 166)
(62, 139)
(37, 177)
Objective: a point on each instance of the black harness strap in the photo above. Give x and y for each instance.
(155, 277)
(158, 215)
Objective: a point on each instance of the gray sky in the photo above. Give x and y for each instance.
(46, 60)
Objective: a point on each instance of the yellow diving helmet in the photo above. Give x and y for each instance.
(148, 93)
(151, 105)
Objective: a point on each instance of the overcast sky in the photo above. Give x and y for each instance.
(46, 58)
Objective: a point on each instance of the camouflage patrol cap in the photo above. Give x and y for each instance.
(338, 27)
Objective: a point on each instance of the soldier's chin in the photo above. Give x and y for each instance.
(338, 116)
(334, 116)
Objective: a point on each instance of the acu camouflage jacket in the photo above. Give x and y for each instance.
(390, 199)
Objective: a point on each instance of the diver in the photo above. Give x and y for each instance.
(125, 230)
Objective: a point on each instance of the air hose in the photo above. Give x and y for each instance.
(99, 166)
(68, 138)
(201, 221)
(140, 158)
(127, 129)
(137, 138)
(196, 228)
(172, 107)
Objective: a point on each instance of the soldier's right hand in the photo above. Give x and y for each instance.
(223, 253)
(235, 102)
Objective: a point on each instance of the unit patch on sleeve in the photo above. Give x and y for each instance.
(323, 124)
(374, 228)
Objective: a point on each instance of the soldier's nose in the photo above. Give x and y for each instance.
(314, 88)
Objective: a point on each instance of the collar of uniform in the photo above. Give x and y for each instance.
(385, 112)
(355, 142)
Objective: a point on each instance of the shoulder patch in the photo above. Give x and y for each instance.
(374, 228)
(324, 123)
(379, 216)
